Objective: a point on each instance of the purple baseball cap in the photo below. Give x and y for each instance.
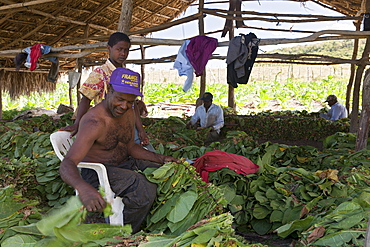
(126, 81)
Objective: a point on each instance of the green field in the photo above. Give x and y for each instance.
(281, 93)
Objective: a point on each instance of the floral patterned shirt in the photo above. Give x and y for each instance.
(95, 86)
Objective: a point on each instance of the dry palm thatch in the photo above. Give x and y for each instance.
(58, 23)
(61, 23)
(18, 84)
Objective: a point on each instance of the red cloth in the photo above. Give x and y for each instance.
(215, 160)
(34, 55)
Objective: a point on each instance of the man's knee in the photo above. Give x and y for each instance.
(141, 193)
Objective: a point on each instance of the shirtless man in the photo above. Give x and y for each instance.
(106, 135)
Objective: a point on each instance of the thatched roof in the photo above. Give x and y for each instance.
(61, 23)
(57, 23)
(69, 22)
(348, 8)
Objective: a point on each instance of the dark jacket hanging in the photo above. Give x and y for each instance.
(240, 58)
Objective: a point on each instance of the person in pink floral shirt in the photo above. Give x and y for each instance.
(95, 86)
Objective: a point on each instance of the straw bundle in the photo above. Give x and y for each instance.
(24, 84)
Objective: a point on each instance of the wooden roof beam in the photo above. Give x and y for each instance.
(156, 10)
(25, 4)
(138, 18)
(279, 20)
(163, 5)
(321, 17)
(151, 12)
(64, 19)
(166, 25)
(98, 10)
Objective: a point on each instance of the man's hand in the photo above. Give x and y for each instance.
(91, 199)
(143, 138)
(170, 159)
(189, 125)
(73, 128)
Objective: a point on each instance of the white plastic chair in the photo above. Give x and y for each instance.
(61, 142)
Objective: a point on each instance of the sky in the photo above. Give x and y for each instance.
(213, 23)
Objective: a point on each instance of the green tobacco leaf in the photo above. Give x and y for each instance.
(276, 216)
(28, 229)
(261, 226)
(55, 242)
(157, 243)
(8, 208)
(349, 222)
(271, 194)
(59, 217)
(20, 240)
(89, 232)
(338, 239)
(297, 225)
(260, 196)
(238, 200)
(229, 191)
(343, 210)
(261, 212)
(182, 206)
(291, 214)
(205, 236)
(161, 172)
(164, 209)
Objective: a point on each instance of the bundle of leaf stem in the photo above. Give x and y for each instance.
(182, 198)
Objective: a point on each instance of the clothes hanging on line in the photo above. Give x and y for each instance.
(199, 51)
(184, 67)
(53, 72)
(241, 55)
(36, 51)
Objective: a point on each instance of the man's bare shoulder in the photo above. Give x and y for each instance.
(95, 117)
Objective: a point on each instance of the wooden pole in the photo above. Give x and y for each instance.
(142, 67)
(357, 85)
(24, 4)
(356, 88)
(124, 22)
(353, 67)
(231, 95)
(363, 129)
(1, 93)
(79, 69)
(80, 62)
(201, 32)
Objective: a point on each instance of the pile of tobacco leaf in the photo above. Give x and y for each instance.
(320, 198)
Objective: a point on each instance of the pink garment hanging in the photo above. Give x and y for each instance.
(34, 55)
(199, 50)
(215, 160)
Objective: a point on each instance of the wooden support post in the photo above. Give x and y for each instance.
(357, 85)
(79, 63)
(203, 77)
(353, 67)
(363, 129)
(231, 95)
(79, 69)
(201, 17)
(124, 22)
(70, 97)
(142, 67)
(1, 93)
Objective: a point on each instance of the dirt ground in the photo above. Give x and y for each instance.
(270, 240)
(316, 144)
